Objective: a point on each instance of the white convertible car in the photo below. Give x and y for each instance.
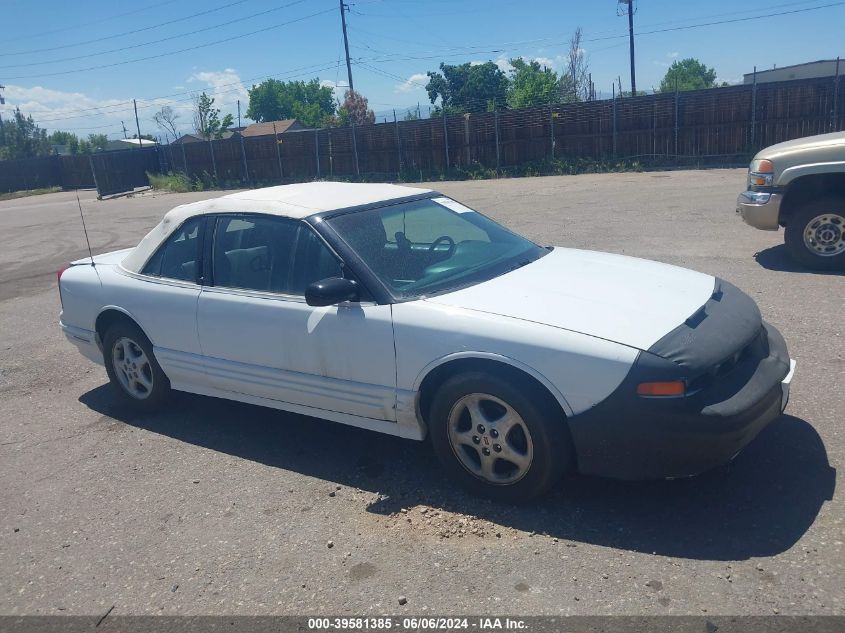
(402, 311)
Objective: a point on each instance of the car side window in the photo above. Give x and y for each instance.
(178, 257)
(314, 261)
(254, 253)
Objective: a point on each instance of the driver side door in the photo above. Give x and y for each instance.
(260, 338)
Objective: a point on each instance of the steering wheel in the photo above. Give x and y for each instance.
(440, 240)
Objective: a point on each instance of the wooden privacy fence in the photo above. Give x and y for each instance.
(730, 123)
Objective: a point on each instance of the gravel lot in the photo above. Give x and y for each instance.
(217, 507)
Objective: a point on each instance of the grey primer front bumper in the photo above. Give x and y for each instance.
(734, 364)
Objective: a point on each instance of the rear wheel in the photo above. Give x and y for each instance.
(132, 368)
(501, 438)
(815, 234)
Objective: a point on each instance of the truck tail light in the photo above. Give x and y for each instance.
(662, 389)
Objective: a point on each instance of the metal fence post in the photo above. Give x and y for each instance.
(654, 127)
(398, 143)
(677, 123)
(184, 159)
(94, 173)
(331, 155)
(614, 120)
(243, 153)
(754, 110)
(317, 151)
(834, 118)
(496, 126)
(278, 152)
(213, 160)
(446, 140)
(552, 129)
(355, 149)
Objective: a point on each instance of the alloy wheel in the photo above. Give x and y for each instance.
(132, 368)
(490, 439)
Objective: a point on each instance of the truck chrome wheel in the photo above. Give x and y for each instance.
(824, 235)
(132, 368)
(490, 439)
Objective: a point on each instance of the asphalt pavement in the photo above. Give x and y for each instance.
(215, 507)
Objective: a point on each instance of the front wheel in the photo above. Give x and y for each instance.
(815, 234)
(501, 438)
(132, 368)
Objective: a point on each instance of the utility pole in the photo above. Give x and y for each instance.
(3, 101)
(239, 113)
(343, 9)
(137, 124)
(630, 12)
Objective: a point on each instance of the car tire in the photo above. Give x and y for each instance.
(499, 436)
(133, 370)
(817, 227)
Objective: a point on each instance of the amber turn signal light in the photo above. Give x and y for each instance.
(675, 388)
(765, 167)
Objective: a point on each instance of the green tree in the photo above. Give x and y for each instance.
(99, 142)
(355, 109)
(687, 74)
(308, 101)
(532, 84)
(68, 139)
(207, 121)
(94, 143)
(468, 88)
(22, 138)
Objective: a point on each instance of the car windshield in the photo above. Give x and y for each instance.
(432, 245)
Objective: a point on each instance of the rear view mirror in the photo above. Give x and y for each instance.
(330, 291)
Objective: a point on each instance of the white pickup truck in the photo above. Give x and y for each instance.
(800, 185)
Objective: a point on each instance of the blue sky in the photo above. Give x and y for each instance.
(77, 66)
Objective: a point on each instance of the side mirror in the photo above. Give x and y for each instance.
(330, 291)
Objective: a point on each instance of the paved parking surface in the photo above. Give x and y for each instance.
(219, 507)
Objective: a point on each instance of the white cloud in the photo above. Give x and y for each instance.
(339, 88)
(417, 81)
(502, 62)
(56, 109)
(544, 61)
(224, 85)
(83, 114)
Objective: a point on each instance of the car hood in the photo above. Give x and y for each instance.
(819, 141)
(630, 301)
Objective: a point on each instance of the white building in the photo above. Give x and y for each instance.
(808, 70)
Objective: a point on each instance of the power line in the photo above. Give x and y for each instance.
(182, 50)
(77, 26)
(703, 24)
(159, 41)
(156, 100)
(116, 35)
(615, 34)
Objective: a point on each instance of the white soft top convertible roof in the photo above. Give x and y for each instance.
(290, 201)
